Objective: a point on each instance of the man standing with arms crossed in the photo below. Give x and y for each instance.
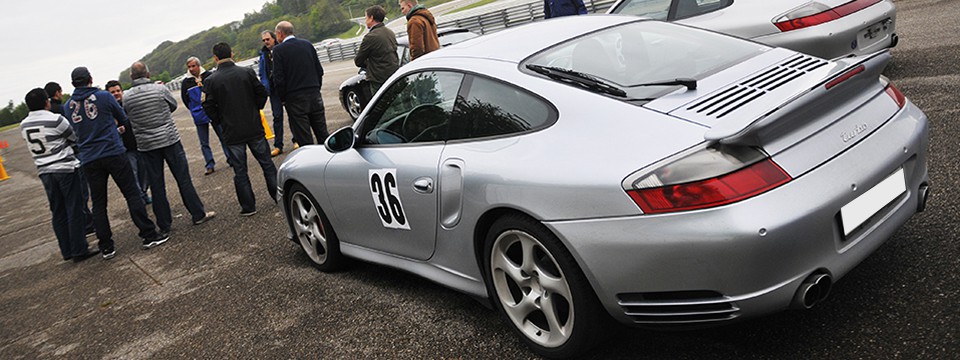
(190, 91)
(95, 114)
(266, 78)
(149, 106)
(233, 97)
(297, 76)
(50, 140)
(421, 28)
(378, 49)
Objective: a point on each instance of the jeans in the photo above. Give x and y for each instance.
(139, 172)
(85, 195)
(66, 204)
(306, 113)
(261, 152)
(176, 159)
(203, 132)
(276, 106)
(119, 169)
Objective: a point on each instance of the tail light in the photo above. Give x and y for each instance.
(896, 95)
(705, 178)
(816, 13)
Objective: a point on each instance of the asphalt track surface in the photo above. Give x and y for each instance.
(236, 288)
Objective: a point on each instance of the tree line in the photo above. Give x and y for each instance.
(313, 20)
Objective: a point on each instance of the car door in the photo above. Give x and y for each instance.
(383, 191)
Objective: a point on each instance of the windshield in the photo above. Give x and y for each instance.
(645, 52)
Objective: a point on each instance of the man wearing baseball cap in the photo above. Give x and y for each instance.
(95, 115)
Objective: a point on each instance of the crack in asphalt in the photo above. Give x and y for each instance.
(144, 271)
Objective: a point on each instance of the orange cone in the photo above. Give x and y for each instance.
(268, 133)
(3, 172)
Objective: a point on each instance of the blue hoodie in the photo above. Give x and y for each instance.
(95, 115)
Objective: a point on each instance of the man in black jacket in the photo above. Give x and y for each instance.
(297, 76)
(233, 97)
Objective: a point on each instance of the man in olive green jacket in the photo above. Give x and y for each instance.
(378, 49)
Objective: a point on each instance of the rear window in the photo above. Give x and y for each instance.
(647, 51)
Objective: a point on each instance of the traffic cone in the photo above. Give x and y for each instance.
(268, 133)
(3, 172)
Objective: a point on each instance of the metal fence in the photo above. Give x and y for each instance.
(484, 23)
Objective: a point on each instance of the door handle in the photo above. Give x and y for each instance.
(423, 185)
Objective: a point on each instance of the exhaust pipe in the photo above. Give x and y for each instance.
(923, 194)
(813, 290)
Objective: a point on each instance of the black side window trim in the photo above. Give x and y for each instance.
(462, 93)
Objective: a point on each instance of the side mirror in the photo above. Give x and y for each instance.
(340, 140)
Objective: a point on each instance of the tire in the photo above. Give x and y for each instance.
(536, 285)
(353, 101)
(312, 230)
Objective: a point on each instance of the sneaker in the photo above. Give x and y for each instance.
(108, 253)
(86, 255)
(206, 217)
(248, 213)
(276, 151)
(155, 241)
(209, 171)
(148, 200)
(91, 232)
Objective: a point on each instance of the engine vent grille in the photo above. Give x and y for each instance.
(678, 308)
(724, 102)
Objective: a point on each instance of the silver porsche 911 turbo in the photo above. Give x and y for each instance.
(616, 168)
(824, 28)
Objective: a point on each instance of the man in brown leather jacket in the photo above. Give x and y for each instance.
(421, 28)
(378, 50)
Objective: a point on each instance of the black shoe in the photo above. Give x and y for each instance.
(206, 217)
(91, 232)
(108, 253)
(86, 255)
(248, 213)
(155, 241)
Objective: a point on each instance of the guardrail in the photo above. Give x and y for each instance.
(481, 24)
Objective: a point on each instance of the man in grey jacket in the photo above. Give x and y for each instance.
(148, 105)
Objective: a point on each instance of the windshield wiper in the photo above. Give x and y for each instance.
(691, 84)
(583, 80)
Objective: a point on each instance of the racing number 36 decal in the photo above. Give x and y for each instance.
(386, 198)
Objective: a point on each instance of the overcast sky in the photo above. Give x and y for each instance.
(50, 38)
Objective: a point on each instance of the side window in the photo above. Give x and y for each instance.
(492, 108)
(691, 8)
(403, 53)
(654, 9)
(415, 108)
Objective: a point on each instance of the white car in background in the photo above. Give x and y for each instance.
(828, 29)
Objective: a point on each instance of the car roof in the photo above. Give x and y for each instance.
(516, 44)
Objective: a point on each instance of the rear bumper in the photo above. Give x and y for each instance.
(842, 37)
(749, 258)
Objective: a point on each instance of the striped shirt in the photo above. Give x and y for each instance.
(50, 138)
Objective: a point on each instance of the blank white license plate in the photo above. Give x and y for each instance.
(866, 205)
(872, 34)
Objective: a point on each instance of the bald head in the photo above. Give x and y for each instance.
(139, 70)
(284, 29)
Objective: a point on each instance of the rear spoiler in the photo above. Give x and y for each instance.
(843, 82)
